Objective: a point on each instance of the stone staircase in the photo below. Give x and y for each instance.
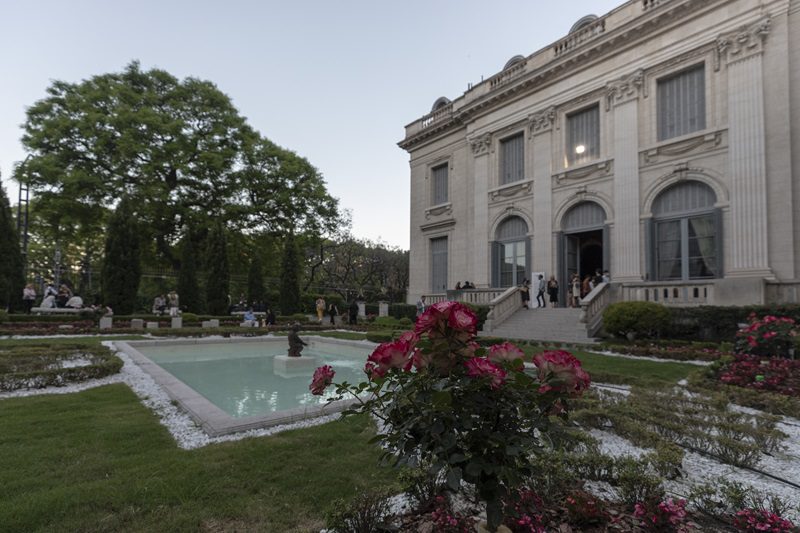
(544, 324)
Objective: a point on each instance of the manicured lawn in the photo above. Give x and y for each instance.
(622, 370)
(100, 461)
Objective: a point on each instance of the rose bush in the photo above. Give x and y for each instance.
(474, 414)
(770, 336)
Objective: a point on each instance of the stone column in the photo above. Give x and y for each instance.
(541, 135)
(480, 145)
(742, 52)
(622, 99)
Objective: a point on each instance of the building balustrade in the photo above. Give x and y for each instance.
(579, 37)
(670, 293)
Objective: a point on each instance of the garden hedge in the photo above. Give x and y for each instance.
(715, 323)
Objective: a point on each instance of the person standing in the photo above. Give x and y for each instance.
(333, 311)
(420, 306)
(320, 303)
(576, 291)
(552, 291)
(28, 297)
(540, 288)
(174, 303)
(525, 293)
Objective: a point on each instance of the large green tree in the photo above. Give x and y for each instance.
(178, 148)
(218, 272)
(122, 262)
(11, 267)
(255, 281)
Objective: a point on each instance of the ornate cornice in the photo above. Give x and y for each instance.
(437, 210)
(518, 188)
(693, 145)
(624, 89)
(542, 121)
(438, 225)
(595, 170)
(480, 143)
(743, 43)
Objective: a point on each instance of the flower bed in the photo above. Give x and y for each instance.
(755, 372)
(678, 352)
(44, 365)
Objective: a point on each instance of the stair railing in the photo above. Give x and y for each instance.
(501, 308)
(592, 306)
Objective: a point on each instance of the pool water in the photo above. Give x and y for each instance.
(243, 380)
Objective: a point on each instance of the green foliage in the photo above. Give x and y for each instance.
(11, 267)
(121, 264)
(43, 365)
(380, 336)
(635, 319)
(3, 316)
(255, 281)
(481, 311)
(717, 323)
(188, 288)
(366, 513)
(290, 283)
(403, 311)
(422, 486)
(218, 280)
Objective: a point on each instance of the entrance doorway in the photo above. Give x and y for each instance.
(583, 246)
(584, 253)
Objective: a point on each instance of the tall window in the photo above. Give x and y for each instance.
(686, 233)
(583, 135)
(682, 103)
(439, 264)
(511, 251)
(439, 178)
(512, 159)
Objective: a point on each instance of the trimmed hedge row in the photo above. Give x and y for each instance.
(42, 365)
(713, 323)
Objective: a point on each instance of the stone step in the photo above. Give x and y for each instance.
(546, 324)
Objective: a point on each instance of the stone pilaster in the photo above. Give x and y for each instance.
(541, 135)
(742, 52)
(480, 275)
(622, 99)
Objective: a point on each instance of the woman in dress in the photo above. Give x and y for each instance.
(552, 291)
(525, 292)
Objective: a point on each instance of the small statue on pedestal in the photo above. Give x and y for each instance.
(295, 342)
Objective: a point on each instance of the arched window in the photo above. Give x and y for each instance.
(686, 233)
(511, 253)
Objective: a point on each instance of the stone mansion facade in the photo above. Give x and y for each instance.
(660, 142)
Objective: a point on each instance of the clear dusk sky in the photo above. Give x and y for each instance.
(335, 81)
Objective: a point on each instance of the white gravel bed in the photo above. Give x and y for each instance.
(647, 358)
(699, 469)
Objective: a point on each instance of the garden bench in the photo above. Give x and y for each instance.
(56, 310)
(241, 313)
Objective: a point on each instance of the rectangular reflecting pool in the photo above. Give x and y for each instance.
(230, 385)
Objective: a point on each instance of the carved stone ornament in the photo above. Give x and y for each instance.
(480, 143)
(437, 210)
(624, 89)
(543, 120)
(514, 189)
(595, 170)
(743, 43)
(694, 145)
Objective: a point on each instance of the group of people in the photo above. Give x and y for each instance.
(53, 298)
(333, 311)
(465, 285)
(166, 304)
(251, 319)
(577, 289)
(550, 287)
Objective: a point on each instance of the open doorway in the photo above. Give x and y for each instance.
(584, 253)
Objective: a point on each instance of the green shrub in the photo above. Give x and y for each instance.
(635, 319)
(190, 317)
(3, 316)
(403, 311)
(421, 486)
(387, 322)
(481, 311)
(366, 513)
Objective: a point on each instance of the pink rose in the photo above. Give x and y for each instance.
(463, 319)
(505, 352)
(397, 354)
(479, 367)
(410, 337)
(561, 371)
(768, 335)
(323, 376)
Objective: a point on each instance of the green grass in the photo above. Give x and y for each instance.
(628, 371)
(100, 461)
(11, 343)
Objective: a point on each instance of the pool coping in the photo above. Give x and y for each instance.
(213, 420)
